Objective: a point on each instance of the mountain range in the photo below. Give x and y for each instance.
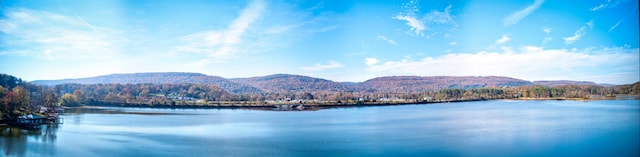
(567, 82)
(298, 83)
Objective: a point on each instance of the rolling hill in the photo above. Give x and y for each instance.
(431, 83)
(293, 83)
(552, 83)
(158, 78)
(298, 83)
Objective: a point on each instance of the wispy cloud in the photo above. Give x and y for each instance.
(434, 20)
(392, 42)
(576, 36)
(226, 43)
(608, 4)
(624, 18)
(416, 26)
(321, 67)
(86, 23)
(614, 26)
(503, 39)
(546, 30)
(53, 36)
(527, 63)
(453, 43)
(440, 18)
(590, 24)
(515, 17)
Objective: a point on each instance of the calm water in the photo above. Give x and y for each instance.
(489, 128)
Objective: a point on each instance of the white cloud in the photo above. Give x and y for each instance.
(416, 26)
(503, 39)
(606, 5)
(321, 67)
(515, 17)
(453, 43)
(576, 36)
(440, 17)
(226, 43)
(370, 61)
(590, 24)
(392, 42)
(614, 26)
(531, 63)
(433, 22)
(242, 23)
(53, 36)
(546, 30)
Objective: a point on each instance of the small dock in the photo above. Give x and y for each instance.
(29, 121)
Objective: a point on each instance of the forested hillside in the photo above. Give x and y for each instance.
(294, 83)
(145, 93)
(434, 83)
(297, 83)
(158, 78)
(192, 89)
(563, 82)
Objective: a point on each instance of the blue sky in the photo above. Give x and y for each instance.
(332, 39)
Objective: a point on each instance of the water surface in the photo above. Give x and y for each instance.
(486, 128)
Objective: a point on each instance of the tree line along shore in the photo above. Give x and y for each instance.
(19, 98)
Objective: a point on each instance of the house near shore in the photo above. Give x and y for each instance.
(176, 96)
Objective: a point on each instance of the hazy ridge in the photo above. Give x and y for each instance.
(299, 83)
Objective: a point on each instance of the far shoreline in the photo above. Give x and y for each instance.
(616, 97)
(318, 106)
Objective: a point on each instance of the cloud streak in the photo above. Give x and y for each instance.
(53, 36)
(515, 17)
(546, 30)
(576, 36)
(322, 67)
(608, 4)
(432, 22)
(392, 42)
(531, 63)
(415, 25)
(503, 39)
(614, 26)
(624, 18)
(223, 44)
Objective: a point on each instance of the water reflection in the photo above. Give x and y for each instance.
(119, 110)
(489, 128)
(14, 141)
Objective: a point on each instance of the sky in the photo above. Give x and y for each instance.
(339, 40)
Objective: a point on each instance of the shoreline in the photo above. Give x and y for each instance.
(316, 107)
(241, 105)
(320, 106)
(616, 97)
(574, 99)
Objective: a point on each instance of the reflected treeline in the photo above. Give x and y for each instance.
(14, 140)
(98, 110)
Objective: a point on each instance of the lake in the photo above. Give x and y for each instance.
(483, 128)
